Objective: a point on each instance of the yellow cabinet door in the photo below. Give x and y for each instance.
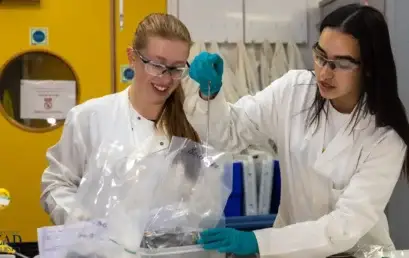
(133, 12)
(79, 32)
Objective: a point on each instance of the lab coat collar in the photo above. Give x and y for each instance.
(364, 121)
(125, 99)
(158, 142)
(345, 138)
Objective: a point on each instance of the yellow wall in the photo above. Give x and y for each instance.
(79, 31)
(84, 46)
(135, 11)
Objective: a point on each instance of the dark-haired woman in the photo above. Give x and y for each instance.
(341, 134)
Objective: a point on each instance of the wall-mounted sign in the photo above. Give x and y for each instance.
(46, 99)
(127, 73)
(38, 36)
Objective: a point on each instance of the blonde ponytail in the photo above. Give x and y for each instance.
(173, 119)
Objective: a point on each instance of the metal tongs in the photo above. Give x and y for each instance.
(207, 160)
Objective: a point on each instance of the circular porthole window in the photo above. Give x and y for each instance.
(37, 89)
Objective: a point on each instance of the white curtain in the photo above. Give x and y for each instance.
(295, 60)
(247, 69)
(279, 63)
(266, 57)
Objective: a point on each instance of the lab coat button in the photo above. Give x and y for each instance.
(161, 143)
(139, 118)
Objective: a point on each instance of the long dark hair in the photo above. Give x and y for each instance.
(379, 82)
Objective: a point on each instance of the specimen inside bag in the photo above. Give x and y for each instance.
(169, 238)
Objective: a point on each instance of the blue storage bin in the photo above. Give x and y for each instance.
(234, 209)
(249, 223)
(234, 206)
(276, 193)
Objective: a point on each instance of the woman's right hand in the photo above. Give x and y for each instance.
(207, 68)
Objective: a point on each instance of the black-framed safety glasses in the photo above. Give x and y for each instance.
(344, 63)
(158, 70)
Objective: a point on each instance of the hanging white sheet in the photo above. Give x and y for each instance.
(279, 64)
(266, 57)
(252, 51)
(295, 59)
(245, 70)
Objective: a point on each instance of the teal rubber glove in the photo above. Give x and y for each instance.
(227, 240)
(205, 68)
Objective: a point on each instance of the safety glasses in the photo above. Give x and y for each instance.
(344, 63)
(158, 70)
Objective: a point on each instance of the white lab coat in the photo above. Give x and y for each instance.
(90, 126)
(330, 201)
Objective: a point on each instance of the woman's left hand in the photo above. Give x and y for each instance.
(227, 240)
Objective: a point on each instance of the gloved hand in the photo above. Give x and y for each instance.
(205, 68)
(227, 240)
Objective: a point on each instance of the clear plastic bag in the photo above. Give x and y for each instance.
(117, 191)
(153, 201)
(192, 195)
(99, 195)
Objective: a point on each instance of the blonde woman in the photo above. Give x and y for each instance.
(152, 107)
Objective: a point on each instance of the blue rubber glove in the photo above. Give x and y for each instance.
(227, 240)
(205, 68)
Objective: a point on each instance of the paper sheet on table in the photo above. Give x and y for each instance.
(55, 241)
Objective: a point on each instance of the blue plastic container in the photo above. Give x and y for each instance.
(234, 210)
(249, 223)
(234, 206)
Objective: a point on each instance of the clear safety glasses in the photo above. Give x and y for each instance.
(344, 63)
(158, 70)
